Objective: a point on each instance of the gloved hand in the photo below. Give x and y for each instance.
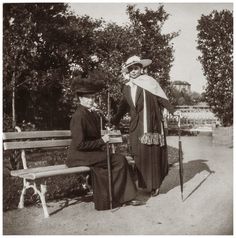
(106, 138)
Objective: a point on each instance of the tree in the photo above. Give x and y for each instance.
(196, 97)
(40, 41)
(184, 97)
(24, 27)
(16, 50)
(44, 41)
(215, 41)
(152, 43)
(143, 37)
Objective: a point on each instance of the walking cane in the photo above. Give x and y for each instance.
(108, 152)
(181, 170)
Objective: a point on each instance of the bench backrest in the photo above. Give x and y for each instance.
(45, 139)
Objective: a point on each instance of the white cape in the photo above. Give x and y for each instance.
(150, 84)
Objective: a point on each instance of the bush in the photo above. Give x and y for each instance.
(7, 122)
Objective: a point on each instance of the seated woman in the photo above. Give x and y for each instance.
(86, 148)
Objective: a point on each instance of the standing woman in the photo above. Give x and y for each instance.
(144, 99)
(86, 148)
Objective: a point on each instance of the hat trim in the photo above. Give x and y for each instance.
(143, 62)
(86, 91)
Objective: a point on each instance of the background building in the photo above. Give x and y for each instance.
(182, 85)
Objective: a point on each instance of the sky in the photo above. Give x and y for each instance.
(183, 17)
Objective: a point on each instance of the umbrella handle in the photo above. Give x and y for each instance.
(178, 116)
(179, 131)
(179, 120)
(181, 169)
(178, 123)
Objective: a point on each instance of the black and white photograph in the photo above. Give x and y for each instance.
(117, 118)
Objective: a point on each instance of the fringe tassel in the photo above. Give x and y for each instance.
(152, 139)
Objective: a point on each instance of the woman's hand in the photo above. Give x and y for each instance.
(126, 77)
(106, 138)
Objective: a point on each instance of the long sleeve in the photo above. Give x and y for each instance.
(79, 139)
(165, 103)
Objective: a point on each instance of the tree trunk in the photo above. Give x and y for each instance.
(13, 100)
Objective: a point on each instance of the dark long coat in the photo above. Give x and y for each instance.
(151, 160)
(87, 149)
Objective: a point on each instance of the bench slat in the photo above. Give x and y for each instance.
(46, 143)
(38, 169)
(35, 144)
(114, 140)
(19, 172)
(46, 134)
(111, 133)
(35, 134)
(33, 176)
(55, 139)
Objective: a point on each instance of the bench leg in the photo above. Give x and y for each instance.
(43, 189)
(25, 186)
(41, 193)
(87, 185)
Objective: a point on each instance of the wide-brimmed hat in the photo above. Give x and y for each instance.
(135, 60)
(92, 83)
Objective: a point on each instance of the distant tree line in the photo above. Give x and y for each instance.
(184, 97)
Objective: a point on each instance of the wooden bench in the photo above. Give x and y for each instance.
(43, 139)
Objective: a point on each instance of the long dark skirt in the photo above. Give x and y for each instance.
(152, 166)
(151, 162)
(123, 186)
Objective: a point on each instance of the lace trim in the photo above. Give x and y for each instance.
(152, 139)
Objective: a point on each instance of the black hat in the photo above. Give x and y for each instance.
(91, 84)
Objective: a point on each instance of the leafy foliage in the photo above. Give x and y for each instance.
(215, 41)
(37, 54)
(152, 43)
(44, 41)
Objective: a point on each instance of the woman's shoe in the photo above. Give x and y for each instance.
(155, 192)
(135, 202)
